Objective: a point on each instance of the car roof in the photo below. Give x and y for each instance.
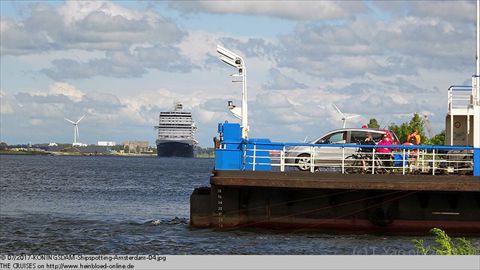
(373, 130)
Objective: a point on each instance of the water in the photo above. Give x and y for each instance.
(137, 205)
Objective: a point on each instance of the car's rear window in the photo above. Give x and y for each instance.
(377, 136)
(360, 136)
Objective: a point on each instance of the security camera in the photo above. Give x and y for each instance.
(230, 104)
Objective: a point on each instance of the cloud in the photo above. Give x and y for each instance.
(362, 46)
(65, 89)
(38, 116)
(5, 104)
(429, 43)
(122, 64)
(279, 81)
(382, 64)
(251, 47)
(293, 10)
(462, 11)
(87, 25)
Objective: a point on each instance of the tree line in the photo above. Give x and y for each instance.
(404, 129)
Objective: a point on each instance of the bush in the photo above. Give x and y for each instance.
(445, 245)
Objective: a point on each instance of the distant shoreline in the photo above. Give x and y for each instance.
(45, 153)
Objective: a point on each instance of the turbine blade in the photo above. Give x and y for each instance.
(78, 121)
(352, 116)
(69, 120)
(338, 110)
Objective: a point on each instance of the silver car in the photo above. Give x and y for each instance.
(299, 156)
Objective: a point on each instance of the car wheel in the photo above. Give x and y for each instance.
(303, 162)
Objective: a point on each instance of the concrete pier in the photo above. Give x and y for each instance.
(399, 204)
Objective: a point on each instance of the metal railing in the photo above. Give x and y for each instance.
(362, 159)
(459, 97)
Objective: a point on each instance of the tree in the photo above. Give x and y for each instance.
(3, 146)
(438, 139)
(405, 129)
(373, 123)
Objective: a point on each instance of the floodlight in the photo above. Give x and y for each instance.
(228, 61)
(221, 50)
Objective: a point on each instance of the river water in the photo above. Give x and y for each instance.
(138, 205)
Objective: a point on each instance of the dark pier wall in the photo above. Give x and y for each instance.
(359, 206)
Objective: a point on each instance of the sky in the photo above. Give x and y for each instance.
(123, 62)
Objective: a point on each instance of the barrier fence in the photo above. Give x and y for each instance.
(349, 158)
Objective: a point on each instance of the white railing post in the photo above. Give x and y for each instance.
(312, 158)
(373, 161)
(254, 155)
(421, 164)
(244, 160)
(403, 162)
(343, 159)
(282, 159)
(433, 162)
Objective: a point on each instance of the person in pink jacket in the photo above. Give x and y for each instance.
(385, 141)
(385, 154)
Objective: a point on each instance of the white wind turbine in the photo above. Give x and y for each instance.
(345, 116)
(76, 134)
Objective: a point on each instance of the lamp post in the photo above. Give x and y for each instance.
(237, 62)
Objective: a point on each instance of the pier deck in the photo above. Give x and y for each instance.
(321, 180)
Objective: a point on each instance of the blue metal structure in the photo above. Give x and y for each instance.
(229, 156)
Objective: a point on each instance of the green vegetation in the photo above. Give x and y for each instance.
(438, 139)
(3, 146)
(445, 245)
(404, 129)
(373, 123)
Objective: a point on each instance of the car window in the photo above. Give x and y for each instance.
(334, 138)
(377, 136)
(358, 136)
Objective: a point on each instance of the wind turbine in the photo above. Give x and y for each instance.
(426, 123)
(76, 134)
(345, 116)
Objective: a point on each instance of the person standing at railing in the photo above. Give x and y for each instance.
(414, 137)
(385, 154)
(368, 151)
(368, 141)
(216, 142)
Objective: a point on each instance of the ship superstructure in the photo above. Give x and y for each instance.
(176, 133)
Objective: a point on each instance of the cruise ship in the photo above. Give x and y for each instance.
(176, 131)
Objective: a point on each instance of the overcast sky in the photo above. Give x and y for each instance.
(122, 62)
